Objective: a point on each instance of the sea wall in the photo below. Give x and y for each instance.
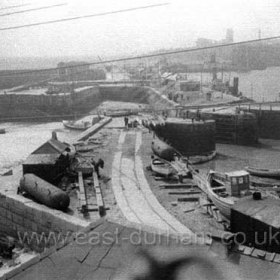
(20, 216)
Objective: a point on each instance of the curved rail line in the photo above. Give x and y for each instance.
(130, 200)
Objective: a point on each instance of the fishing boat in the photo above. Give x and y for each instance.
(76, 125)
(224, 189)
(162, 167)
(260, 172)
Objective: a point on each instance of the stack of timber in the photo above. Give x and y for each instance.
(162, 167)
(99, 197)
(82, 194)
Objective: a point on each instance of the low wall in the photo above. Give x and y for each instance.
(21, 216)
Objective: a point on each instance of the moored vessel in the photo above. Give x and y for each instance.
(262, 172)
(76, 125)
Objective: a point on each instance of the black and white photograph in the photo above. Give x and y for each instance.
(139, 140)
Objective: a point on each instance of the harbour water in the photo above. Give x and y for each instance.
(23, 138)
(260, 85)
(233, 157)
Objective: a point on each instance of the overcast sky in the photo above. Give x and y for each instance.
(178, 24)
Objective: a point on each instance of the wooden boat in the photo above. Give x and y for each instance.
(225, 189)
(263, 172)
(162, 167)
(2, 131)
(76, 125)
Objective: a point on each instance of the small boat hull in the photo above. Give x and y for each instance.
(162, 167)
(2, 131)
(223, 204)
(76, 126)
(263, 172)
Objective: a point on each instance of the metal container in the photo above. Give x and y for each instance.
(44, 192)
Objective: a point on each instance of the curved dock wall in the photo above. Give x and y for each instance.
(190, 139)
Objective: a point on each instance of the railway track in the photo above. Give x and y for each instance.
(133, 194)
